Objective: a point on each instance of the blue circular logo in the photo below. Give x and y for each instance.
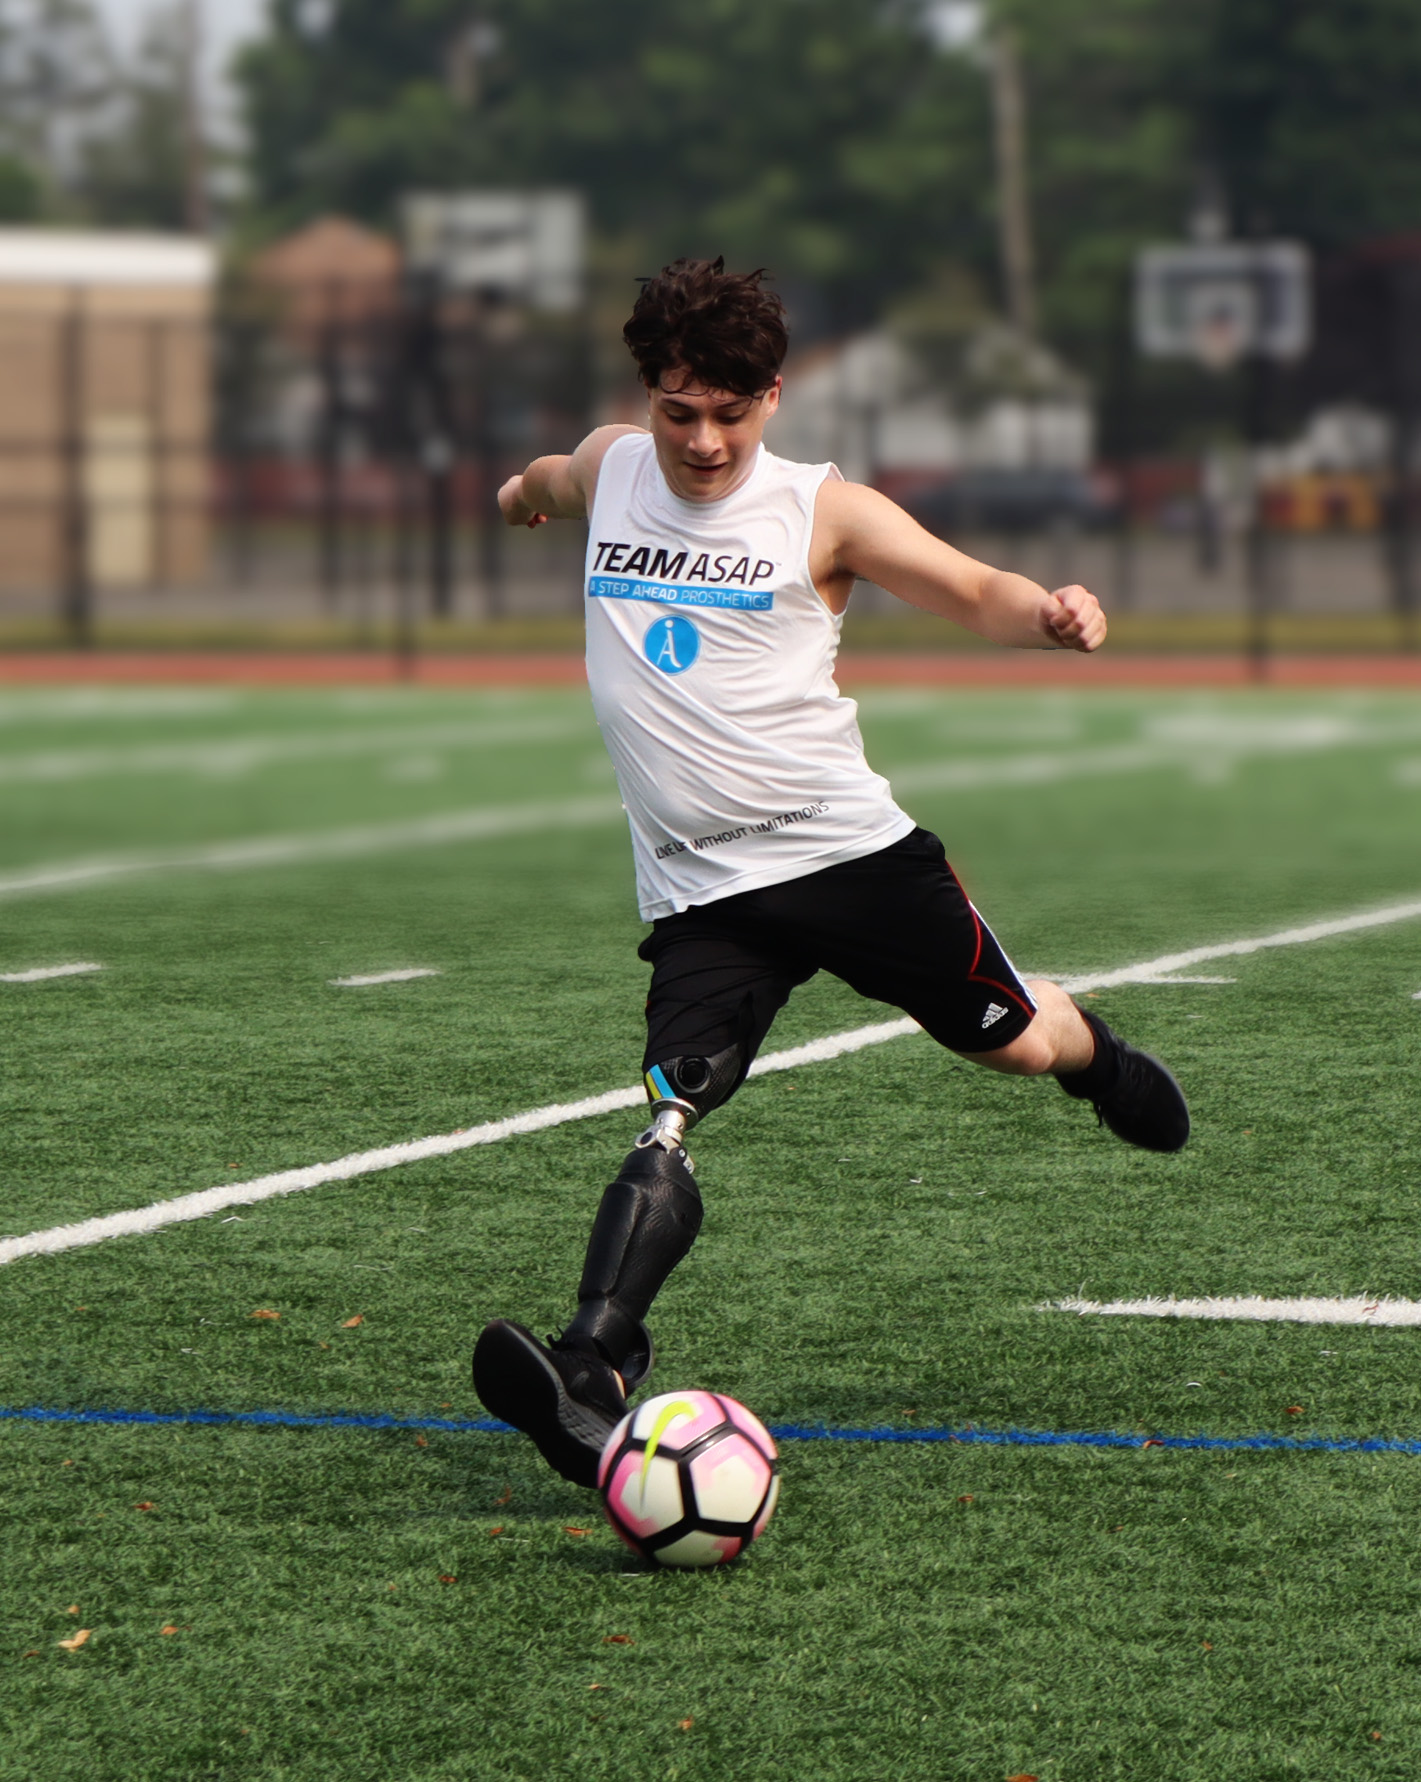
(672, 644)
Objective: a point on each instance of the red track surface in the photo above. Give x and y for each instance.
(1004, 668)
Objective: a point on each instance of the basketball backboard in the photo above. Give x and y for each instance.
(521, 246)
(1218, 302)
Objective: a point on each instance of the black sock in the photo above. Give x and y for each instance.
(1101, 1075)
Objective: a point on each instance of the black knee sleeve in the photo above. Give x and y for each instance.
(646, 1223)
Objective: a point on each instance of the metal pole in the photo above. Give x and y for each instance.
(244, 338)
(1406, 443)
(77, 594)
(328, 448)
(157, 449)
(434, 432)
(1259, 542)
(1126, 553)
(1009, 108)
(404, 580)
(199, 218)
(486, 448)
(404, 439)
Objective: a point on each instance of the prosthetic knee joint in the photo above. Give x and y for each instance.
(682, 1090)
(649, 1216)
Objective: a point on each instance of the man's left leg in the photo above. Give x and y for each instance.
(712, 998)
(1132, 1093)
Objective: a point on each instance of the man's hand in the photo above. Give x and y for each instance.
(515, 509)
(1072, 619)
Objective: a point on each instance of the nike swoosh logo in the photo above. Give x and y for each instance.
(668, 1414)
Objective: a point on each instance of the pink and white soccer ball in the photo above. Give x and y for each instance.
(689, 1478)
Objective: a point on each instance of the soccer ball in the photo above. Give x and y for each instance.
(689, 1478)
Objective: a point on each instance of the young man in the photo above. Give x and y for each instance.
(766, 848)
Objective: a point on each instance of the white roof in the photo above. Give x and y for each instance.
(93, 257)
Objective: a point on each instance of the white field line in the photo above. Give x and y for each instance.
(211, 1200)
(1202, 749)
(41, 972)
(1360, 1309)
(1154, 970)
(480, 824)
(387, 977)
(1175, 978)
(1033, 769)
(23, 707)
(361, 1163)
(240, 754)
(457, 826)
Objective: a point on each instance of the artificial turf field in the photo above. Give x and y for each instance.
(882, 1233)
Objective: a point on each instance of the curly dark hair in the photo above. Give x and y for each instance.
(723, 328)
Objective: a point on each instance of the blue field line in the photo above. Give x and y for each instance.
(966, 1436)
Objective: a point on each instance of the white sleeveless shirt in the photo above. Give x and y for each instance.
(710, 656)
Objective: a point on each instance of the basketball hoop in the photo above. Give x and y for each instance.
(1221, 320)
(1216, 303)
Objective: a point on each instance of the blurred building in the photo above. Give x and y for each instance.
(332, 269)
(104, 427)
(321, 302)
(886, 416)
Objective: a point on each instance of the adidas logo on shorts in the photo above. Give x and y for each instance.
(994, 1013)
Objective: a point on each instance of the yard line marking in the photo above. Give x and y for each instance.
(1171, 978)
(360, 1163)
(48, 971)
(968, 1435)
(1181, 748)
(484, 823)
(212, 1200)
(387, 977)
(1151, 969)
(239, 754)
(115, 702)
(1032, 770)
(1361, 1308)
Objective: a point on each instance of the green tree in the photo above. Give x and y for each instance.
(56, 68)
(21, 193)
(132, 169)
(832, 141)
(1301, 112)
(1309, 112)
(826, 138)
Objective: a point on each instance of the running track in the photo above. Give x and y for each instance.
(985, 668)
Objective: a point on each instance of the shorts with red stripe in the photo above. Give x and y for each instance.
(895, 926)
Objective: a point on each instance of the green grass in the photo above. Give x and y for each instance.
(881, 1232)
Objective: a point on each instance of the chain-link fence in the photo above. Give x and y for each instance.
(327, 465)
(335, 457)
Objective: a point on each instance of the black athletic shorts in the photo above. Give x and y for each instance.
(895, 926)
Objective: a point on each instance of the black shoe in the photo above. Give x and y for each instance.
(1132, 1093)
(567, 1401)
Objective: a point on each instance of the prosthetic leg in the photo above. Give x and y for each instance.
(649, 1216)
(570, 1394)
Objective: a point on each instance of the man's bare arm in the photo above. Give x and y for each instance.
(860, 533)
(559, 487)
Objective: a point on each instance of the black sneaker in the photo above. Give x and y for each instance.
(567, 1401)
(1132, 1093)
